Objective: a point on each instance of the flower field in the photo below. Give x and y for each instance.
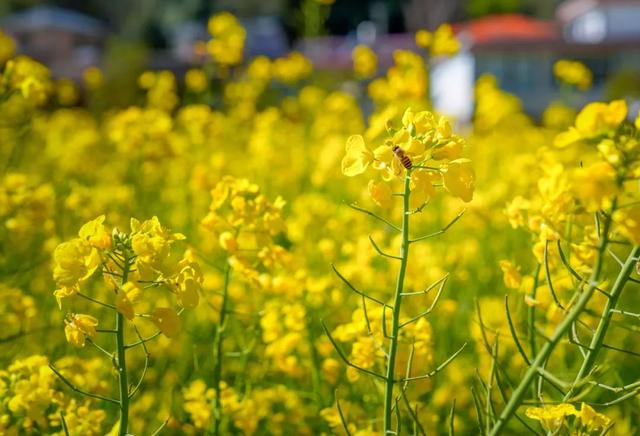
(260, 248)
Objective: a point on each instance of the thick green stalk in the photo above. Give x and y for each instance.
(562, 329)
(397, 300)
(123, 381)
(596, 342)
(217, 346)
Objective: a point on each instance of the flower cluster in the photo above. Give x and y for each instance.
(245, 223)
(442, 42)
(365, 61)
(161, 89)
(609, 152)
(30, 402)
(129, 263)
(28, 78)
(247, 413)
(292, 68)
(252, 356)
(227, 39)
(556, 419)
(434, 151)
(406, 80)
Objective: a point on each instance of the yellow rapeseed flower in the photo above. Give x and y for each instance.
(128, 294)
(364, 61)
(459, 179)
(92, 77)
(228, 36)
(595, 186)
(7, 47)
(511, 274)
(628, 221)
(196, 80)
(358, 157)
(381, 193)
(551, 417)
(423, 38)
(594, 119)
(78, 327)
(573, 73)
(592, 420)
(444, 42)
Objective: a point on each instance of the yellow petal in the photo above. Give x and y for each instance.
(188, 296)
(616, 113)
(459, 179)
(407, 117)
(381, 193)
(167, 321)
(567, 138)
(358, 157)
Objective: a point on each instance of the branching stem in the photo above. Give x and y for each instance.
(597, 341)
(565, 325)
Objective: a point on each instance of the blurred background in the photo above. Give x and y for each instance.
(517, 41)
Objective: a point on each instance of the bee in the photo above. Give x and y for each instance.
(402, 157)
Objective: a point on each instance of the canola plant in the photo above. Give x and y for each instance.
(241, 251)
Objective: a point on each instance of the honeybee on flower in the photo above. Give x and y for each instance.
(425, 147)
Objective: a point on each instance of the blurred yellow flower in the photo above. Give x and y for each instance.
(595, 186)
(573, 73)
(594, 119)
(292, 68)
(227, 44)
(188, 282)
(510, 274)
(128, 294)
(423, 38)
(444, 42)
(364, 61)
(7, 47)
(92, 77)
(381, 193)
(66, 92)
(459, 179)
(628, 221)
(78, 327)
(196, 80)
(421, 186)
(228, 242)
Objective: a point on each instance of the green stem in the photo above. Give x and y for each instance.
(532, 317)
(397, 300)
(121, 361)
(217, 346)
(560, 331)
(316, 372)
(605, 319)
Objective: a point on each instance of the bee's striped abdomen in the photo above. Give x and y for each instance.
(406, 162)
(404, 159)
